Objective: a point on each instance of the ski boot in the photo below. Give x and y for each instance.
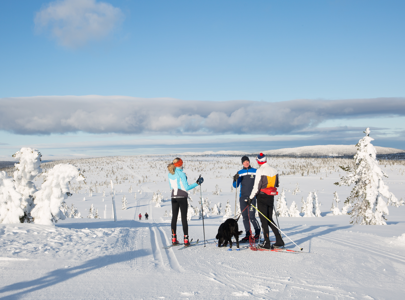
(174, 240)
(279, 242)
(265, 245)
(186, 241)
(245, 239)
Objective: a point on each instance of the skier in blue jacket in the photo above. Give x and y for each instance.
(246, 179)
(179, 186)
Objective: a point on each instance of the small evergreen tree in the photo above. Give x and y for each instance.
(281, 207)
(228, 211)
(294, 212)
(124, 203)
(335, 205)
(316, 205)
(10, 201)
(369, 191)
(309, 206)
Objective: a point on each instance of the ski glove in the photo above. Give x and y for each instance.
(200, 180)
(249, 201)
(235, 177)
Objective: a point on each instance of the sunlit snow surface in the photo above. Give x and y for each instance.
(101, 259)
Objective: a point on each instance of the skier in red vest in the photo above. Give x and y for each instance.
(140, 216)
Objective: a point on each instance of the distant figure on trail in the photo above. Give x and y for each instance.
(140, 216)
(146, 215)
(246, 178)
(179, 186)
(264, 188)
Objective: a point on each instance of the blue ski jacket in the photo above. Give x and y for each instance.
(179, 185)
(246, 180)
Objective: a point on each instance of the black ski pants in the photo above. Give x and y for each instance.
(248, 213)
(265, 204)
(179, 203)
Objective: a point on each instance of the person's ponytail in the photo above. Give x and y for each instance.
(171, 168)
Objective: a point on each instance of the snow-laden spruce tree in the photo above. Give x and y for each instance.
(190, 212)
(282, 208)
(309, 206)
(25, 171)
(215, 210)
(228, 211)
(369, 191)
(124, 203)
(10, 201)
(91, 212)
(53, 192)
(335, 205)
(316, 206)
(294, 212)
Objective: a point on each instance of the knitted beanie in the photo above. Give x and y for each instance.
(245, 158)
(261, 159)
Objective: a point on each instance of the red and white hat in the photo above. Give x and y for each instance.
(261, 159)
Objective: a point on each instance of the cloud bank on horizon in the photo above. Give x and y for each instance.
(44, 115)
(74, 23)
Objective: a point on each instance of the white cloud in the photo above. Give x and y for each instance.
(129, 115)
(73, 23)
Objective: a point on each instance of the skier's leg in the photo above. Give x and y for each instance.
(245, 215)
(253, 219)
(175, 214)
(183, 208)
(262, 206)
(279, 240)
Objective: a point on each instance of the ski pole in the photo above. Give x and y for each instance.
(277, 228)
(236, 196)
(202, 211)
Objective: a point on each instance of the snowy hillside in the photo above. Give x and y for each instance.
(93, 257)
(307, 151)
(327, 150)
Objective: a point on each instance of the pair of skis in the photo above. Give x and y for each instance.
(184, 246)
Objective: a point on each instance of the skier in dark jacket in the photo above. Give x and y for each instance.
(146, 216)
(246, 178)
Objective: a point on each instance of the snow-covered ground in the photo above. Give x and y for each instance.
(83, 258)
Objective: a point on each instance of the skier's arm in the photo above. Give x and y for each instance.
(255, 189)
(276, 184)
(185, 183)
(237, 182)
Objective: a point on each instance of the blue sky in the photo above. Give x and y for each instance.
(199, 52)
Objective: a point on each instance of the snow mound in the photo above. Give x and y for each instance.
(399, 241)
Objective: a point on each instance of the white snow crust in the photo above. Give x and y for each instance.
(97, 258)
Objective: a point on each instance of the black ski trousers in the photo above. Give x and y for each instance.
(265, 204)
(179, 203)
(246, 213)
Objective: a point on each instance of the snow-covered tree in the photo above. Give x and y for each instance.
(309, 206)
(25, 171)
(228, 211)
(190, 212)
(91, 212)
(53, 192)
(367, 196)
(124, 203)
(10, 201)
(294, 212)
(281, 207)
(346, 207)
(74, 212)
(215, 210)
(316, 205)
(335, 205)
